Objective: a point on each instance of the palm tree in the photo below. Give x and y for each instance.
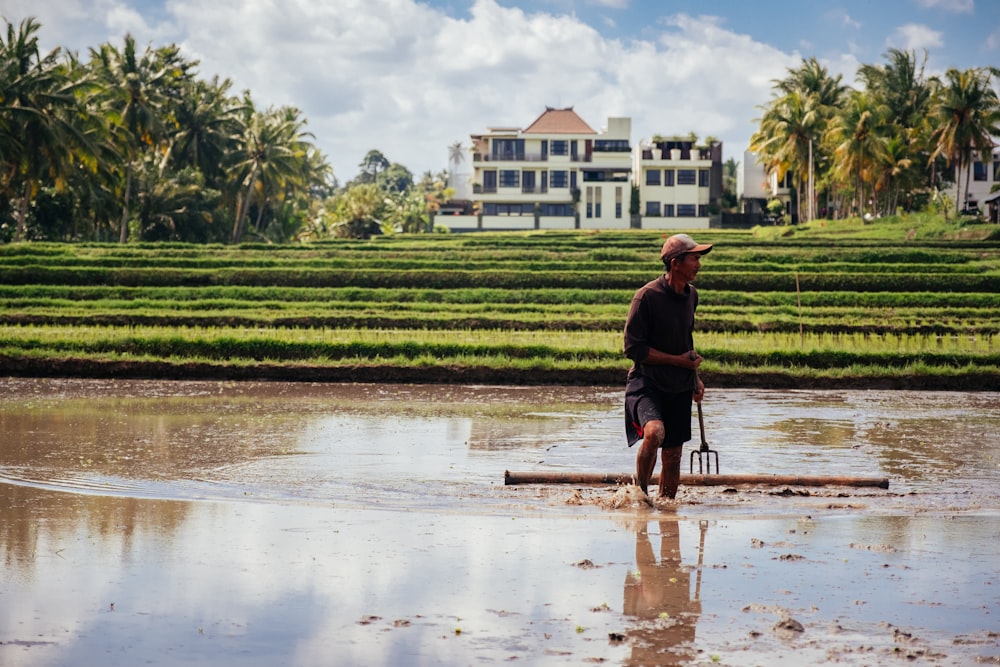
(174, 207)
(373, 163)
(137, 89)
(967, 111)
(858, 147)
(793, 124)
(788, 132)
(208, 126)
(901, 86)
(39, 138)
(896, 167)
(456, 156)
(813, 80)
(276, 159)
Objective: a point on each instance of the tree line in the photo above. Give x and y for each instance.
(892, 145)
(132, 144)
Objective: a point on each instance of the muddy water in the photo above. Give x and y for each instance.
(243, 523)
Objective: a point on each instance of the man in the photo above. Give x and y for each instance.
(663, 379)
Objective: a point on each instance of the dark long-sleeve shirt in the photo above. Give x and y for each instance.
(661, 319)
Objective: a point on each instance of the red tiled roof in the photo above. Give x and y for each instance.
(559, 121)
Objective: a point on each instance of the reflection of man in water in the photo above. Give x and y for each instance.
(658, 594)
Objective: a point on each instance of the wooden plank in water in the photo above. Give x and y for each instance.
(694, 480)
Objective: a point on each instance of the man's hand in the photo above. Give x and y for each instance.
(699, 392)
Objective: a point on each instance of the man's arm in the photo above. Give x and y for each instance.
(687, 360)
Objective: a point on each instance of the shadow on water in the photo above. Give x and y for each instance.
(241, 523)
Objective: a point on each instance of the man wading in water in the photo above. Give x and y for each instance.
(663, 379)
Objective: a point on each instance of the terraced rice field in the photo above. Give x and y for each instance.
(535, 308)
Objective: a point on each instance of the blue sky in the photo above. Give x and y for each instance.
(411, 78)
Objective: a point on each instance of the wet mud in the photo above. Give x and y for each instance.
(220, 522)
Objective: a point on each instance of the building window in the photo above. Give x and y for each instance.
(686, 177)
(528, 181)
(703, 178)
(686, 210)
(559, 179)
(593, 197)
(490, 180)
(509, 209)
(668, 177)
(510, 178)
(653, 209)
(996, 171)
(653, 177)
(978, 171)
(560, 147)
(508, 149)
(561, 210)
(702, 210)
(668, 210)
(612, 145)
(618, 202)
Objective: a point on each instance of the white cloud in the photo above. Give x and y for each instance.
(78, 25)
(404, 79)
(844, 19)
(993, 40)
(407, 79)
(916, 37)
(957, 6)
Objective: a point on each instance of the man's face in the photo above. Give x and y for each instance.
(687, 266)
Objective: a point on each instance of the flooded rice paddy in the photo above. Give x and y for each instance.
(221, 523)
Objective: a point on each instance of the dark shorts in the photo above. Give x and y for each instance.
(674, 410)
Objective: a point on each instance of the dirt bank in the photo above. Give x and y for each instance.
(166, 370)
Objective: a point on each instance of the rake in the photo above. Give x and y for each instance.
(704, 450)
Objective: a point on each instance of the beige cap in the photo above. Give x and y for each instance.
(678, 244)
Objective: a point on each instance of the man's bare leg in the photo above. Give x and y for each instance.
(645, 458)
(670, 473)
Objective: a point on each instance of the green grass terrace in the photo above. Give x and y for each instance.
(885, 305)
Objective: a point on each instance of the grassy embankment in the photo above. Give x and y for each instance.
(897, 303)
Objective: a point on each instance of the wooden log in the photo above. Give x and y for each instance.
(511, 478)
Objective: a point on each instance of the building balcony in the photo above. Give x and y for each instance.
(509, 157)
(531, 157)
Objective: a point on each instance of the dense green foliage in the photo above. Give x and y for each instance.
(791, 309)
(126, 143)
(132, 144)
(890, 146)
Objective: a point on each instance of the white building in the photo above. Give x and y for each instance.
(678, 183)
(981, 177)
(755, 187)
(559, 173)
